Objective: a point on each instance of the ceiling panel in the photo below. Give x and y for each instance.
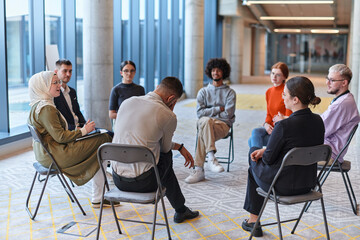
(341, 10)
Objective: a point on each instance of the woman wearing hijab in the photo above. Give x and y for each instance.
(77, 159)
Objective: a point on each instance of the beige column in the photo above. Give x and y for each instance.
(236, 49)
(194, 47)
(98, 60)
(259, 52)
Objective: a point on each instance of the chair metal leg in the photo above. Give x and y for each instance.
(301, 213)
(165, 216)
(116, 218)
(278, 218)
(33, 215)
(229, 155)
(100, 217)
(62, 183)
(322, 179)
(72, 193)
(154, 215)
(325, 220)
(350, 191)
(259, 216)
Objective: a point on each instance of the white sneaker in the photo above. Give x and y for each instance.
(215, 166)
(196, 175)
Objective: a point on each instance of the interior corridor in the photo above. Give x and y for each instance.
(219, 198)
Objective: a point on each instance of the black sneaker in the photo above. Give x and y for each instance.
(105, 204)
(188, 214)
(249, 227)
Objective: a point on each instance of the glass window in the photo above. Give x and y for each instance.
(157, 51)
(53, 24)
(79, 53)
(306, 53)
(181, 41)
(125, 9)
(141, 64)
(18, 60)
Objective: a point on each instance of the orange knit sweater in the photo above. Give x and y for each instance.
(275, 103)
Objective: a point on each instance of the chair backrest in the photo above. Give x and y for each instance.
(352, 133)
(34, 133)
(37, 138)
(126, 153)
(304, 156)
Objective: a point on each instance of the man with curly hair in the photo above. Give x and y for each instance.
(216, 113)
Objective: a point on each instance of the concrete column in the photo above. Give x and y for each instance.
(355, 51)
(237, 49)
(98, 60)
(259, 52)
(194, 47)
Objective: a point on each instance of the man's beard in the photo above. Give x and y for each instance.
(216, 80)
(334, 91)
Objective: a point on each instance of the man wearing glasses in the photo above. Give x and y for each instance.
(67, 102)
(342, 114)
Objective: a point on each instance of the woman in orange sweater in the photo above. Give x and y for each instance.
(275, 105)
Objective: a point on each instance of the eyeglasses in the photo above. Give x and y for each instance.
(333, 80)
(57, 82)
(127, 71)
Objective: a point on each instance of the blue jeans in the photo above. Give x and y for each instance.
(259, 138)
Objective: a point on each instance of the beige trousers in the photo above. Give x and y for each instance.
(209, 131)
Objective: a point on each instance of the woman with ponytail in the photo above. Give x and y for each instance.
(301, 129)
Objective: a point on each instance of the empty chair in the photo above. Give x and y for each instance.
(48, 172)
(304, 156)
(128, 154)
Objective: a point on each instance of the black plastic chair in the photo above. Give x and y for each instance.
(343, 168)
(129, 154)
(52, 170)
(231, 156)
(301, 157)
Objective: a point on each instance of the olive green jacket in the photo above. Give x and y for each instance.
(77, 159)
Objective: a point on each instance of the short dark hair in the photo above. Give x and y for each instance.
(218, 63)
(283, 68)
(124, 63)
(173, 85)
(302, 88)
(63, 62)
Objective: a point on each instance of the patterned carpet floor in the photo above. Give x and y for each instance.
(219, 198)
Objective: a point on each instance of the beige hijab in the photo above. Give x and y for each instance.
(39, 90)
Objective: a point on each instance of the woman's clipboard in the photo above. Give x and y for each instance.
(94, 133)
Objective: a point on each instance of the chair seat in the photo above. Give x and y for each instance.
(44, 170)
(346, 166)
(287, 200)
(117, 195)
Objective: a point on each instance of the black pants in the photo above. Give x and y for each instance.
(253, 201)
(148, 184)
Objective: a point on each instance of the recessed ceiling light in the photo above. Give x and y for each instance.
(297, 18)
(325, 31)
(289, 2)
(287, 30)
